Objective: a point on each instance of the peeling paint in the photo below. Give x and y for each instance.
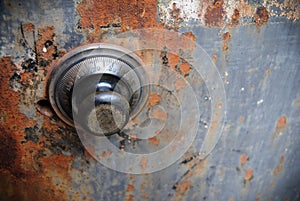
(174, 13)
(114, 15)
(225, 12)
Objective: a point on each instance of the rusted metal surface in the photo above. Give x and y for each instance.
(225, 12)
(255, 46)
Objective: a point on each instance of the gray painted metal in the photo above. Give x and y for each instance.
(261, 72)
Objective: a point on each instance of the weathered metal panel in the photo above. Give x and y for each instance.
(255, 47)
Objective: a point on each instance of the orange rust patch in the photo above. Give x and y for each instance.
(187, 41)
(130, 188)
(214, 14)
(280, 126)
(185, 68)
(241, 119)
(183, 187)
(214, 58)
(13, 122)
(58, 163)
(46, 47)
(268, 72)
(225, 46)
(28, 27)
(154, 99)
(235, 17)
(26, 78)
(278, 169)
(154, 140)
(133, 137)
(243, 159)
(142, 189)
(170, 40)
(173, 60)
(124, 13)
(249, 174)
(18, 167)
(189, 35)
(180, 84)
(46, 33)
(281, 122)
(226, 36)
(32, 188)
(219, 105)
(231, 199)
(199, 169)
(158, 113)
(261, 16)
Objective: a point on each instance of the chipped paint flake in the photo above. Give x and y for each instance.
(188, 11)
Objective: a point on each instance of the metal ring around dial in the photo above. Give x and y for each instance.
(97, 58)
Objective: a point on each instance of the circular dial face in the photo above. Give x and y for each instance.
(108, 62)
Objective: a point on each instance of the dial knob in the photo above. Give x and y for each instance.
(98, 87)
(104, 103)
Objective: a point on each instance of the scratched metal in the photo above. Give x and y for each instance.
(257, 157)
